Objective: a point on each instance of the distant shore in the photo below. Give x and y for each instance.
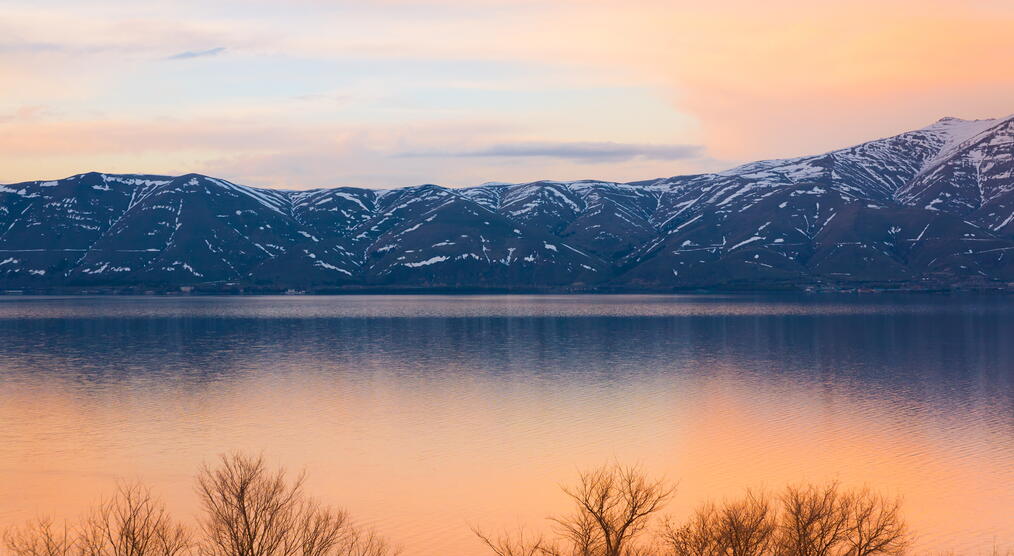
(236, 289)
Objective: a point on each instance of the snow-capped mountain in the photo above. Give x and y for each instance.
(932, 207)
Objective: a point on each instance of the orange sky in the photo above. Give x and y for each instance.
(397, 93)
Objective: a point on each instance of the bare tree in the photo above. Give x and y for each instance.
(582, 532)
(700, 536)
(367, 543)
(132, 523)
(749, 525)
(829, 521)
(515, 544)
(741, 528)
(40, 538)
(814, 521)
(614, 505)
(875, 525)
(253, 511)
(250, 511)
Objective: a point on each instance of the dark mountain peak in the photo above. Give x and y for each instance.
(192, 176)
(954, 120)
(928, 208)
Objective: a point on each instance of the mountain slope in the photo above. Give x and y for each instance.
(928, 208)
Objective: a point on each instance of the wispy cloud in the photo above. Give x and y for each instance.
(745, 80)
(23, 114)
(576, 151)
(197, 53)
(273, 153)
(30, 47)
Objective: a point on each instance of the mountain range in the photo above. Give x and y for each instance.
(927, 209)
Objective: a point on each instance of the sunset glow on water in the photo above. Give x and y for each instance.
(425, 416)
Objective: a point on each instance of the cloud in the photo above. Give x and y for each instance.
(197, 53)
(261, 151)
(588, 152)
(24, 114)
(29, 47)
(745, 80)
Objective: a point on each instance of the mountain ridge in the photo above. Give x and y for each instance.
(929, 208)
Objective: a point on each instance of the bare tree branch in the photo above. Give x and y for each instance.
(252, 511)
(40, 538)
(614, 505)
(515, 544)
(132, 523)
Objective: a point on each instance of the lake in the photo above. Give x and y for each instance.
(427, 415)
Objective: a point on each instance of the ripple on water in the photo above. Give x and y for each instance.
(427, 414)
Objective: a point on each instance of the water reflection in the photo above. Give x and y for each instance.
(403, 408)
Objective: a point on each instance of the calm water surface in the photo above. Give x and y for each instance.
(427, 415)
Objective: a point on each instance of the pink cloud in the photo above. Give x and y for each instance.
(760, 80)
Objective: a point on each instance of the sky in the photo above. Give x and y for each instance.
(311, 93)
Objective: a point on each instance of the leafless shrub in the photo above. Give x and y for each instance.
(582, 533)
(132, 523)
(613, 506)
(812, 521)
(515, 544)
(700, 536)
(827, 521)
(750, 524)
(250, 511)
(40, 538)
(741, 528)
(253, 511)
(366, 543)
(875, 525)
